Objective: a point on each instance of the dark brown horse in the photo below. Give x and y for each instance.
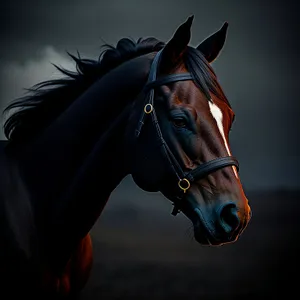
(149, 109)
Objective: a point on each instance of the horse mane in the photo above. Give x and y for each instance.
(48, 99)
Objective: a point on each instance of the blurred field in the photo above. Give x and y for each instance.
(142, 252)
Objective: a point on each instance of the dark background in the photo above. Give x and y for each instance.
(140, 249)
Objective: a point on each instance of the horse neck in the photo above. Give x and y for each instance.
(80, 206)
(53, 159)
(101, 171)
(74, 165)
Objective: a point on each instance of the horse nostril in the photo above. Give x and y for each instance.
(229, 219)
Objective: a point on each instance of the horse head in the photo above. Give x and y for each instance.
(179, 139)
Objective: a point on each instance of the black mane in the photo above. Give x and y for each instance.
(48, 99)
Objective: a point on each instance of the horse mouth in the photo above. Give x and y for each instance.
(205, 238)
(207, 228)
(206, 235)
(203, 232)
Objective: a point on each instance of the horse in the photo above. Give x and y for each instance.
(145, 108)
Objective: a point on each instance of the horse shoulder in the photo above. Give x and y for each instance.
(74, 275)
(81, 263)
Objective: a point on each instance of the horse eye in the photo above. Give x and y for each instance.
(179, 122)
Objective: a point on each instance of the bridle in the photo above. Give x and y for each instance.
(184, 178)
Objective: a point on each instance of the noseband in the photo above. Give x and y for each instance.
(184, 178)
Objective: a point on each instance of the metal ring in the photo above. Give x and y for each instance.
(186, 182)
(150, 108)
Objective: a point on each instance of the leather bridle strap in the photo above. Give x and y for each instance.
(149, 109)
(169, 79)
(213, 165)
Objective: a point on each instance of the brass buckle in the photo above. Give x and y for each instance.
(146, 110)
(181, 185)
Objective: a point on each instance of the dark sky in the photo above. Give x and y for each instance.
(258, 68)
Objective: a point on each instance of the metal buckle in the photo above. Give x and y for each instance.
(146, 110)
(181, 185)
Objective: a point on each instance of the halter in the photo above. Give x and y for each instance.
(184, 178)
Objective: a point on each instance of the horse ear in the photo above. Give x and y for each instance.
(212, 46)
(177, 45)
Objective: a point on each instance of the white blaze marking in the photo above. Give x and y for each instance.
(218, 116)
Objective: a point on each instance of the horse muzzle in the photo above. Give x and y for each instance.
(221, 225)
